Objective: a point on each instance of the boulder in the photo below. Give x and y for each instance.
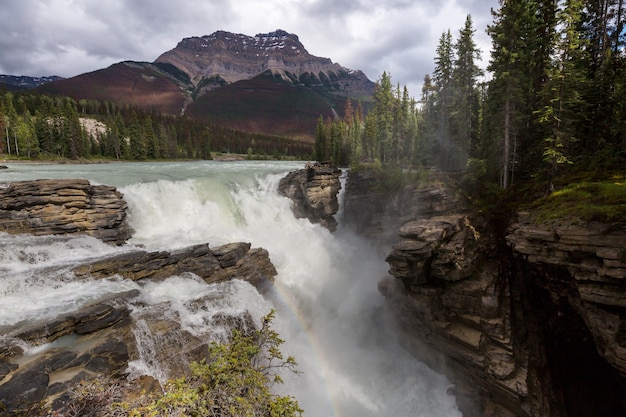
(64, 206)
(313, 191)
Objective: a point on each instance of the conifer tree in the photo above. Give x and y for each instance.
(384, 114)
(464, 118)
(512, 32)
(563, 104)
(442, 77)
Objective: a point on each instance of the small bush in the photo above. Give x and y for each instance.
(235, 381)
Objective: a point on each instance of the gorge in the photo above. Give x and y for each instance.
(523, 318)
(329, 309)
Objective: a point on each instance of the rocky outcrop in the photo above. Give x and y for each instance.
(575, 273)
(233, 260)
(450, 297)
(376, 211)
(94, 341)
(64, 206)
(526, 319)
(101, 338)
(314, 192)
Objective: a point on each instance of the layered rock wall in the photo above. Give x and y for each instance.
(313, 191)
(64, 206)
(525, 319)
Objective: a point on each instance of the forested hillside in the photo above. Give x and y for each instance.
(35, 126)
(554, 99)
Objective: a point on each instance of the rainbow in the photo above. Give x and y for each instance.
(308, 344)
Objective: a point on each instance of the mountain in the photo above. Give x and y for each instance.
(268, 83)
(224, 58)
(22, 82)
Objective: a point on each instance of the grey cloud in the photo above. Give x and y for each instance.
(85, 35)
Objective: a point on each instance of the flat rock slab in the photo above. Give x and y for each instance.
(64, 206)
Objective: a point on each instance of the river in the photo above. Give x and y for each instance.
(329, 311)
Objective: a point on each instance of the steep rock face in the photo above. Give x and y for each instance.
(378, 212)
(574, 274)
(525, 321)
(224, 58)
(314, 193)
(452, 302)
(64, 206)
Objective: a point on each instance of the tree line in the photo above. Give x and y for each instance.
(555, 98)
(34, 125)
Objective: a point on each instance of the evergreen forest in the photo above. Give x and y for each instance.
(39, 126)
(553, 100)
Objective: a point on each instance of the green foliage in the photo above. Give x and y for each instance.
(588, 201)
(475, 173)
(236, 380)
(37, 126)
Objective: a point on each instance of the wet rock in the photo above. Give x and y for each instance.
(222, 263)
(313, 191)
(377, 212)
(64, 206)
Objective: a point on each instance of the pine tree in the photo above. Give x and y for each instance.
(464, 119)
(442, 77)
(510, 104)
(137, 143)
(563, 104)
(384, 112)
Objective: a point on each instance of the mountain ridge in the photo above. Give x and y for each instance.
(199, 67)
(25, 82)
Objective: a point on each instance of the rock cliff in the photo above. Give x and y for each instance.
(64, 206)
(526, 319)
(314, 193)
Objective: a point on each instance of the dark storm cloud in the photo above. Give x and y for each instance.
(70, 37)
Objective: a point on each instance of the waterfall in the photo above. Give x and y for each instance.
(329, 311)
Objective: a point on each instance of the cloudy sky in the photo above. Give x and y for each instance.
(71, 37)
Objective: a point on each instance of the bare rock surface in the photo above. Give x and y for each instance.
(525, 319)
(64, 206)
(313, 191)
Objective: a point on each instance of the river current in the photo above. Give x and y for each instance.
(328, 308)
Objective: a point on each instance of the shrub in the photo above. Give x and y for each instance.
(236, 380)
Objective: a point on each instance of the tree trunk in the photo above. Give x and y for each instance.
(507, 142)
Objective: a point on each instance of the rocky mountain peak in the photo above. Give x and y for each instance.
(262, 44)
(223, 58)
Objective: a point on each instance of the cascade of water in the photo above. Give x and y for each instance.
(328, 307)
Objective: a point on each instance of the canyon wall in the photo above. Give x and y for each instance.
(526, 319)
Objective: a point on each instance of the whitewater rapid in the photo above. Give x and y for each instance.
(329, 311)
